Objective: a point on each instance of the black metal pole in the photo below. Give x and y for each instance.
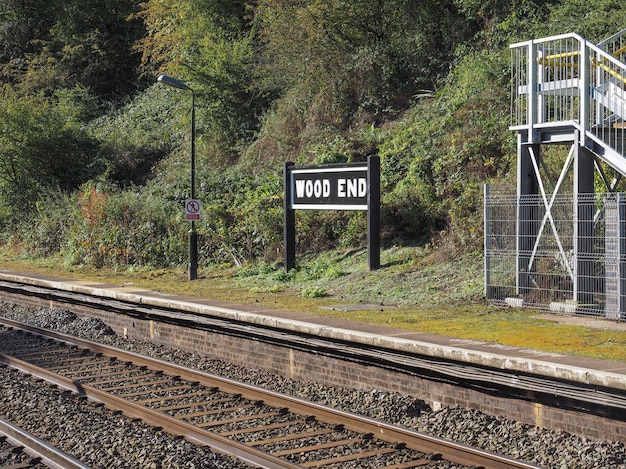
(373, 212)
(193, 235)
(289, 233)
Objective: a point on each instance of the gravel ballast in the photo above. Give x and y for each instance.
(550, 449)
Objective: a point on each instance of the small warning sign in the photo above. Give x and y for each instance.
(192, 210)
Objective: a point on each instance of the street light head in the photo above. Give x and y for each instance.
(173, 82)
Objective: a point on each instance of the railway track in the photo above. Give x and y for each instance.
(577, 390)
(260, 427)
(22, 450)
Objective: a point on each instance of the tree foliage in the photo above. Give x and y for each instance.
(76, 42)
(87, 136)
(211, 45)
(41, 148)
(366, 56)
(93, 42)
(24, 25)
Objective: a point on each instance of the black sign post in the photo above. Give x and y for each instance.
(289, 236)
(373, 213)
(353, 186)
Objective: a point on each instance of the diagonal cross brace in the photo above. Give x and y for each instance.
(548, 206)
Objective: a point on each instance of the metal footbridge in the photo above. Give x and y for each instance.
(568, 99)
(566, 85)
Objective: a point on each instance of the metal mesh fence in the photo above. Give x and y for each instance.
(565, 254)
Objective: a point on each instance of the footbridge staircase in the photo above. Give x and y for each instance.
(569, 100)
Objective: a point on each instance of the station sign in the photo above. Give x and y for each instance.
(329, 187)
(350, 186)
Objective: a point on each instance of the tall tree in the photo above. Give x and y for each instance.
(77, 42)
(41, 147)
(372, 55)
(24, 25)
(595, 20)
(209, 43)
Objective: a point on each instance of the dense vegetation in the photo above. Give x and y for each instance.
(94, 154)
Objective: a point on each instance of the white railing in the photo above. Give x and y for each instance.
(546, 82)
(615, 45)
(566, 81)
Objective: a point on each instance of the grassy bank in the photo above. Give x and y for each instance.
(417, 288)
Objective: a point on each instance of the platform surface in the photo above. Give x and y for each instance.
(611, 374)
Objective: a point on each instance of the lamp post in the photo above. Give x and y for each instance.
(193, 235)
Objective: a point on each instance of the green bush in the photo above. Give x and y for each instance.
(314, 292)
(124, 228)
(44, 233)
(435, 159)
(42, 147)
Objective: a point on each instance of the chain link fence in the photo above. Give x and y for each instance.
(565, 254)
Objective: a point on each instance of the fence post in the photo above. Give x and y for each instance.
(486, 236)
(533, 97)
(585, 92)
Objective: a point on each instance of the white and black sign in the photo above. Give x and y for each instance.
(354, 186)
(329, 188)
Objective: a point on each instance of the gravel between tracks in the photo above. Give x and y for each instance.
(11, 456)
(550, 449)
(98, 436)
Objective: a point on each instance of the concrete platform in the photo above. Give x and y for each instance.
(611, 374)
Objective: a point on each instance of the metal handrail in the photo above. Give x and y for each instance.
(615, 45)
(566, 80)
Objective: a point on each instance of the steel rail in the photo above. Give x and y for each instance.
(418, 441)
(573, 395)
(49, 455)
(157, 419)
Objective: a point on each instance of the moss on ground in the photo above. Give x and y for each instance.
(414, 290)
